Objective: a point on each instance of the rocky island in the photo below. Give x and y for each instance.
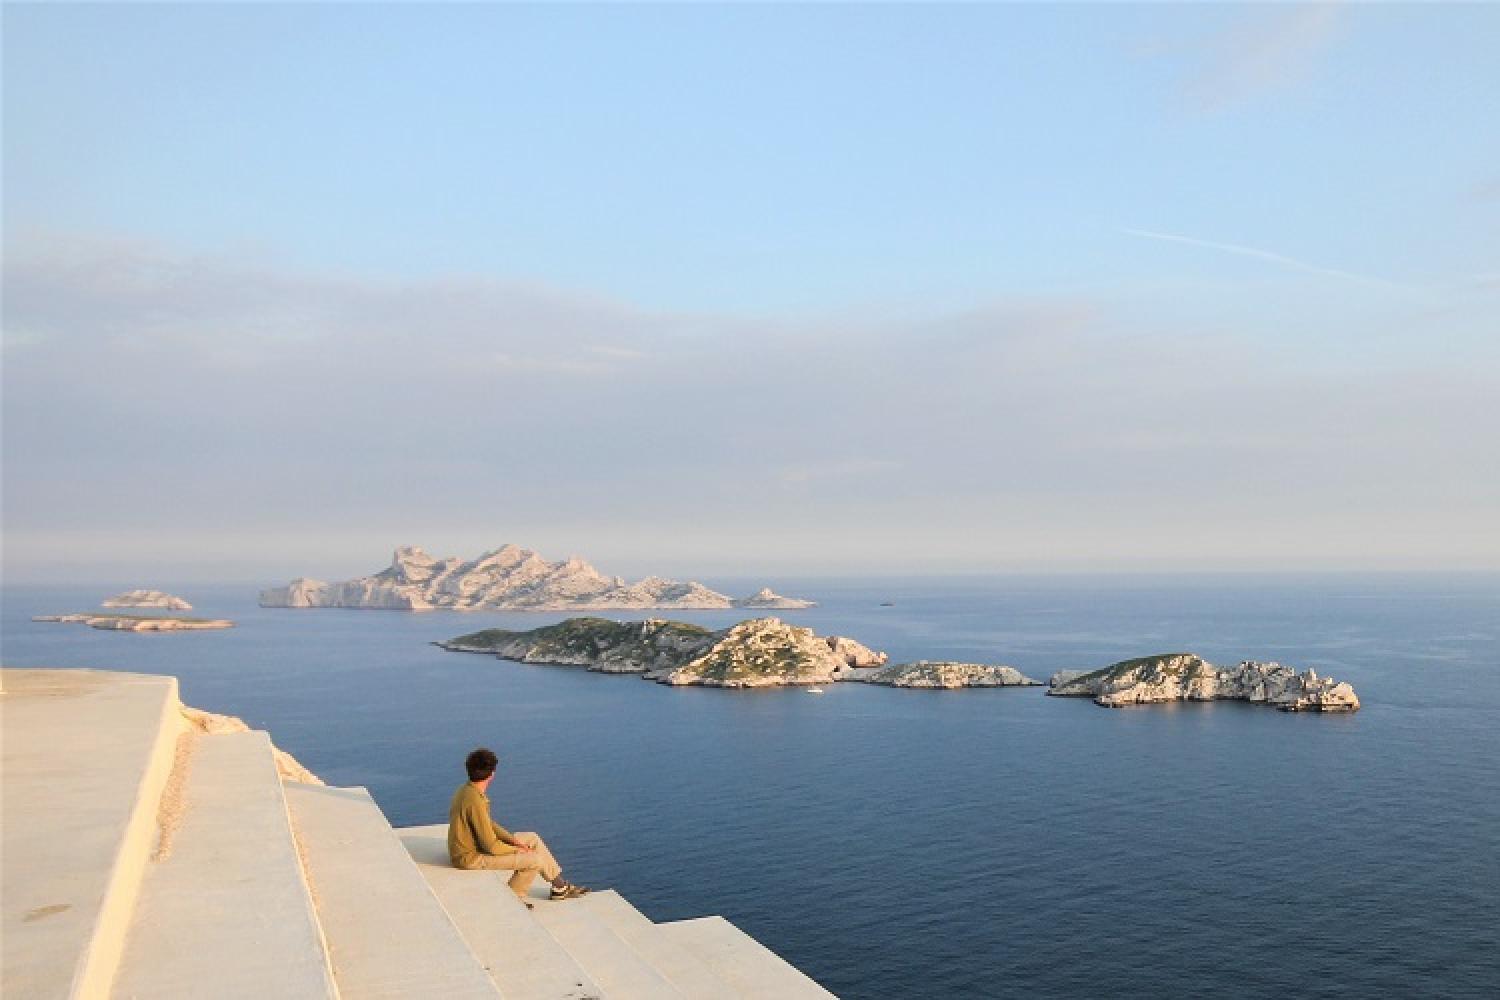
(137, 623)
(147, 599)
(1189, 677)
(508, 578)
(761, 652)
(946, 674)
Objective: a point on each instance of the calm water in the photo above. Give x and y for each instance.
(934, 844)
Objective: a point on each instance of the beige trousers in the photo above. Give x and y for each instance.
(525, 864)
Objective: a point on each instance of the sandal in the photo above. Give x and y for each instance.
(568, 891)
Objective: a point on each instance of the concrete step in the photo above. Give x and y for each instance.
(618, 968)
(227, 911)
(387, 934)
(737, 958)
(86, 756)
(681, 967)
(524, 960)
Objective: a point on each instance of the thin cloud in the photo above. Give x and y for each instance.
(1266, 255)
(619, 353)
(484, 406)
(1263, 53)
(1485, 190)
(548, 365)
(836, 469)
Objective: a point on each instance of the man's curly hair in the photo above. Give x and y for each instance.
(481, 764)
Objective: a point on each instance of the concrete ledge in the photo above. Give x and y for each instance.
(741, 961)
(680, 966)
(77, 839)
(387, 934)
(228, 912)
(618, 968)
(518, 953)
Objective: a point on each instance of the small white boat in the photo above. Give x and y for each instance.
(814, 690)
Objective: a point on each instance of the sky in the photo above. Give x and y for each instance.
(750, 289)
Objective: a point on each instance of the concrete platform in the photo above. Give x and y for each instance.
(227, 912)
(387, 934)
(86, 755)
(524, 960)
(748, 966)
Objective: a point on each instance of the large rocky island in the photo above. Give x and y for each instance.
(760, 652)
(1189, 677)
(508, 578)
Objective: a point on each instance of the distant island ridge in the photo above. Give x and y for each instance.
(509, 578)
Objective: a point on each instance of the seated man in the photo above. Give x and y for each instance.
(475, 841)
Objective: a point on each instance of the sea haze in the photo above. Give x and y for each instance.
(987, 843)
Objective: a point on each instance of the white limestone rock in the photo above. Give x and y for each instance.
(147, 599)
(944, 674)
(508, 578)
(761, 652)
(1188, 677)
(855, 654)
(1064, 676)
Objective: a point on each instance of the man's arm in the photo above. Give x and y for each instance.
(506, 837)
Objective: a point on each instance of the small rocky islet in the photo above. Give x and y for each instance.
(767, 652)
(115, 622)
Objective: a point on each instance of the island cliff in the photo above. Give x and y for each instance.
(1189, 677)
(508, 578)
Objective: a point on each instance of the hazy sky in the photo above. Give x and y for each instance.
(761, 289)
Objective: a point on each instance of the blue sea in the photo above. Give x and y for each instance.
(985, 843)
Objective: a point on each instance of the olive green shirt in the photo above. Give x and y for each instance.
(471, 832)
